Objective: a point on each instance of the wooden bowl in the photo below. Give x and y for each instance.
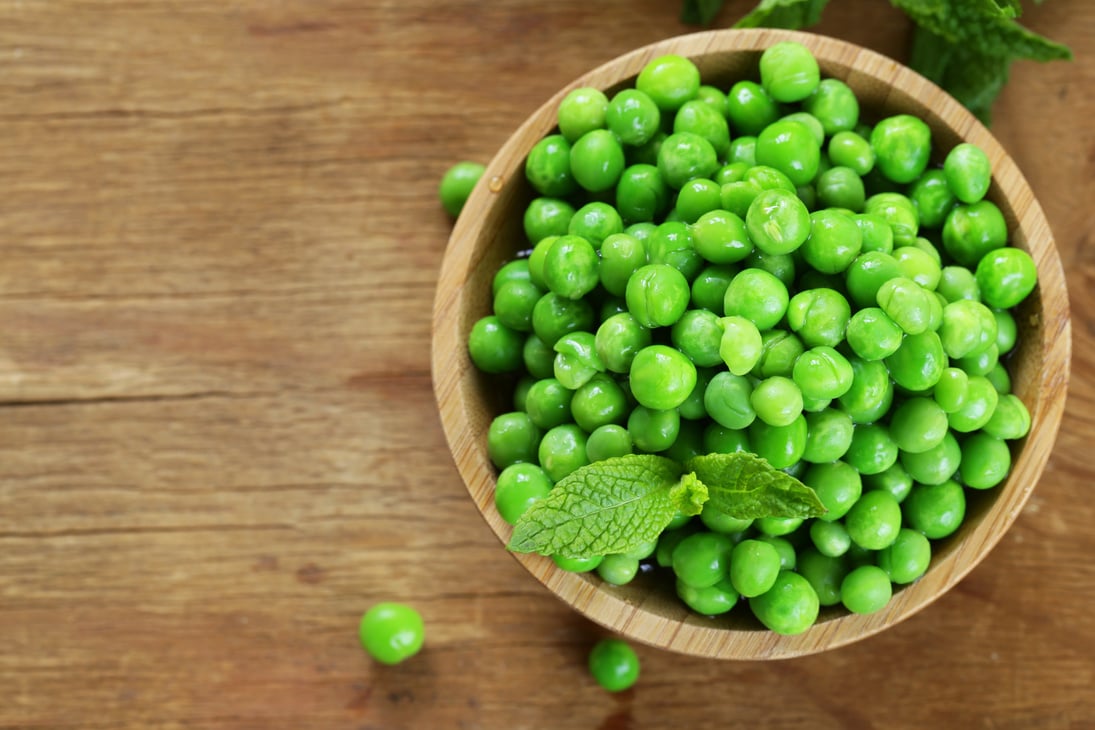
(489, 232)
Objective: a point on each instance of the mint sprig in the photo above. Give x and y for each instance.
(616, 505)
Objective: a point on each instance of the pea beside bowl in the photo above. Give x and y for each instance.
(489, 233)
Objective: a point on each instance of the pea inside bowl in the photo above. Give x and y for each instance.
(491, 231)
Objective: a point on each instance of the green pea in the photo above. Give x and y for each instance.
(512, 438)
(872, 450)
(641, 193)
(1007, 332)
(917, 264)
(754, 567)
(894, 480)
(554, 316)
(960, 331)
(866, 589)
(733, 171)
(576, 359)
(696, 198)
(661, 377)
(789, 72)
(830, 538)
(618, 570)
(685, 156)
(738, 195)
(777, 400)
(669, 80)
(907, 558)
(819, 316)
(520, 391)
(777, 526)
(571, 267)
(520, 486)
(1006, 276)
(958, 282)
(718, 521)
(599, 402)
(742, 150)
(709, 287)
(692, 408)
(778, 222)
(833, 243)
(595, 222)
(608, 441)
(514, 302)
(698, 334)
(874, 520)
(981, 401)
(516, 270)
(902, 146)
(769, 178)
(671, 243)
(653, 430)
(899, 212)
(703, 559)
(391, 632)
(646, 153)
(758, 296)
(848, 149)
(749, 108)
(562, 450)
(621, 256)
(700, 118)
(633, 117)
(841, 187)
(812, 124)
(935, 465)
(968, 172)
(657, 295)
(494, 347)
(597, 160)
(838, 486)
(537, 256)
(982, 363)
(822, 373)
(1010, 419)
(619, 338)
(741, 345)
(718, 439)
(971, 231)
(780, 350)
(781, 266)
(835, 106)
(710, 601)
(866, 274)
(581, 111)
(986, 461)
(828, 435)
(721, 237)
(780, 446)
(932, 198)
(791, 148)
(577, 565)
(824, 574)
(952, 389)
(935, 510)
(547, 167)
(918, 424)
(548, 403)
(727, 399)
(872, 335)
(789, 607)
(876, 232)
(918, 364)
(713, 96)
(871, 393)
(538, 358)
(457, 184)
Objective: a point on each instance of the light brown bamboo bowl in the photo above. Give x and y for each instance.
(489, 232)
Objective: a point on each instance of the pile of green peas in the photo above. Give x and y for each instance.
(761, 269)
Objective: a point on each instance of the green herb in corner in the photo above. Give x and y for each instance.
(616, 505)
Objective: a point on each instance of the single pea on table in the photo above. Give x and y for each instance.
(763, 268)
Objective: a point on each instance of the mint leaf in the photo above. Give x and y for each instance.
(609, 506)
(746, 486)
(792, 14)
(700, 12)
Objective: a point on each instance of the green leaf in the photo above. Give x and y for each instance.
(700, 12)
(746, 486)
(792, 14)
(609, 506)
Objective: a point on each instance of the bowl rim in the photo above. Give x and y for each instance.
(621, 610)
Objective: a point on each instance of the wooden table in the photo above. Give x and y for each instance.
(220, 237)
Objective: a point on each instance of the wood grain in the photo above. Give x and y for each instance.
(220, 237)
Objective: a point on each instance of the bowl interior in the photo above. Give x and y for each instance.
(489, 232)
